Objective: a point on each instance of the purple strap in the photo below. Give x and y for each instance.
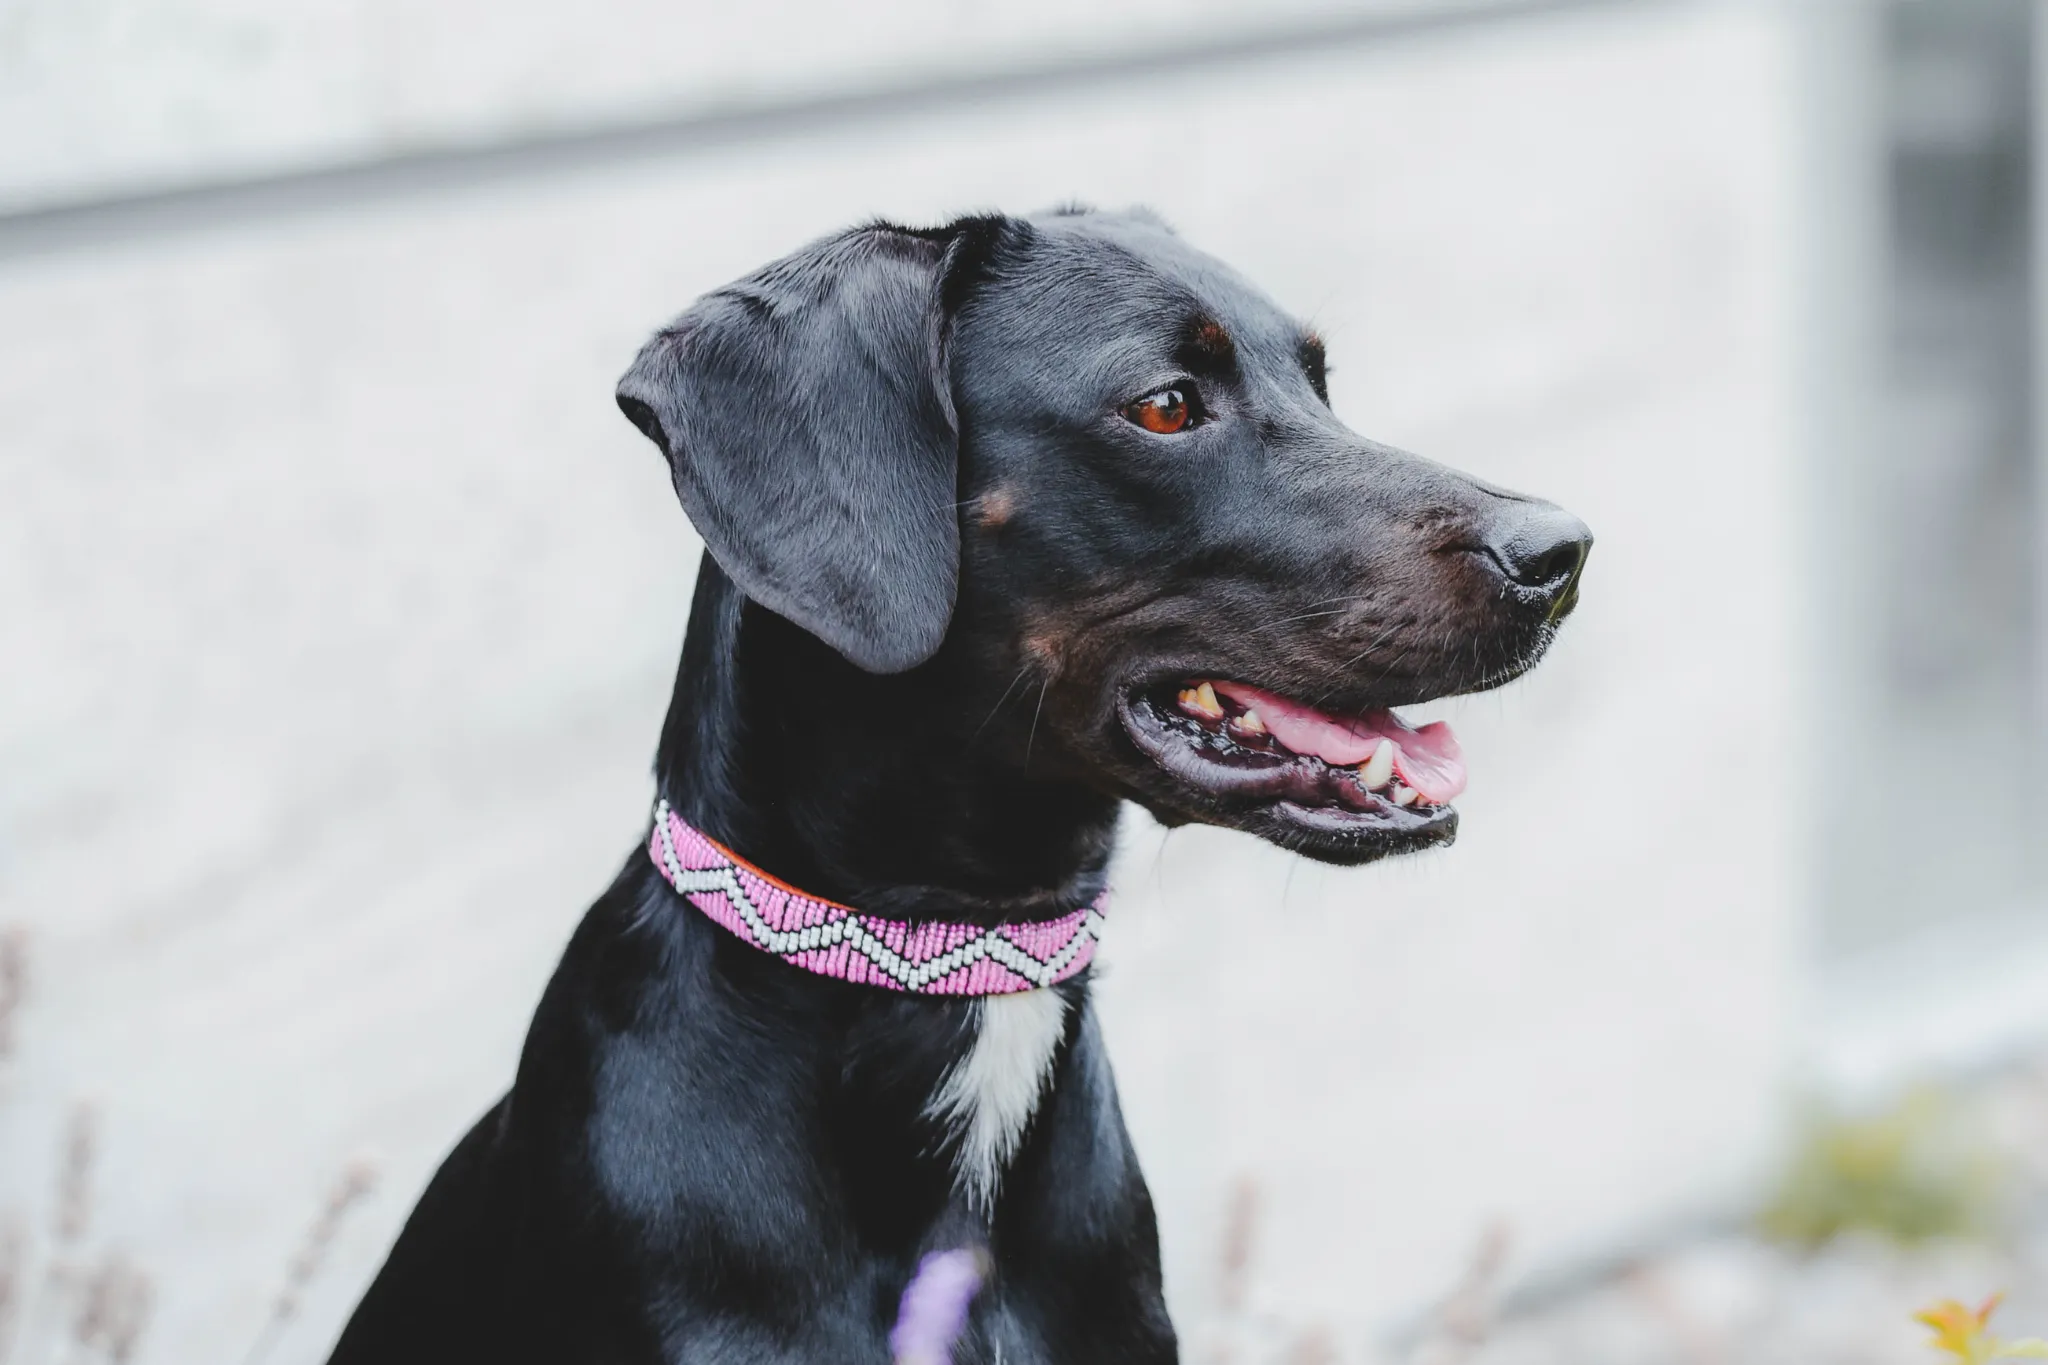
(837, 941)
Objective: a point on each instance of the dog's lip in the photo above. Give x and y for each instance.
(1251, 786)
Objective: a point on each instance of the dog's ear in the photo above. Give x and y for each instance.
(808, 421)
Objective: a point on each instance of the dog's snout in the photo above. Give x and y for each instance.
(1543, 549)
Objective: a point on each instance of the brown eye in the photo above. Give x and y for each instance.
(1165, 412)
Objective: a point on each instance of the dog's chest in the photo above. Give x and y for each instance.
(987, 1098)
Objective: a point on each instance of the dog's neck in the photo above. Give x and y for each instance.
(864, 789)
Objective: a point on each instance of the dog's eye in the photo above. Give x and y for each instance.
(1165, 412)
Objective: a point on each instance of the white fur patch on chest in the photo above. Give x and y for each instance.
(989, 1095)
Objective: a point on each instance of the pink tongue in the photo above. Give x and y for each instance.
(1427, 759)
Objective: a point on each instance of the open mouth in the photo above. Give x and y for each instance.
(1321, 774)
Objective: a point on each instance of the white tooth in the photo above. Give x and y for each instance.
(1404, 796)
(1380, 767)
(1250, 723)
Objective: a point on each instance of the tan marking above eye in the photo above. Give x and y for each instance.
(1164, 412)
(1211, 337)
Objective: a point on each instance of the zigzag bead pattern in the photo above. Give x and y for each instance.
(838, 941)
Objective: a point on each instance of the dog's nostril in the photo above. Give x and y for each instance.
(1543, 548)
(1556, 563)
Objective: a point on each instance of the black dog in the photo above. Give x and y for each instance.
(1008, 522)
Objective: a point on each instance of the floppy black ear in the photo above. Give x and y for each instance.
(808, 422)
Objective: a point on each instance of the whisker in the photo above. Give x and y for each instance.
(1033, 736)
(999, 703)
(1335, 610)
(1377, 640)
(1304, 616)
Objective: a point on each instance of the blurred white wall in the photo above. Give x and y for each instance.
(122, 95)
(339, 608)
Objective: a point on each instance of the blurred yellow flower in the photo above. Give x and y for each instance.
(1965, 1333)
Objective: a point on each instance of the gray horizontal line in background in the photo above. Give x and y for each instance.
(66, 227)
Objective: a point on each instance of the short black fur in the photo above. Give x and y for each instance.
(944, 574)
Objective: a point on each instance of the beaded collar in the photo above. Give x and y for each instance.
(926, 958)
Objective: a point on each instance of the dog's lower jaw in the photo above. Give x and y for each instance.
(987, 1098)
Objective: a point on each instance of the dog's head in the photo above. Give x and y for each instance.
(1087, 480)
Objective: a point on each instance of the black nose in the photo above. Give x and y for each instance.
(1543, 548)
